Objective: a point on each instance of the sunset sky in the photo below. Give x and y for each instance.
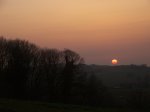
(99, 30)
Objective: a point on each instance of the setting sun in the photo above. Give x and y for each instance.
(114, 61)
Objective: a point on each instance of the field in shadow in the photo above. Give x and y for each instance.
(32, 106)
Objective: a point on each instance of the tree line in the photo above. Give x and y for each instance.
(30, 72)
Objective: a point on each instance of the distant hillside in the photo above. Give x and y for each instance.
(122, 75)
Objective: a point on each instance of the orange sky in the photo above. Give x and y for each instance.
(99, 30)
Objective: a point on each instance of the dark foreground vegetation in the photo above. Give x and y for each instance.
(32, 106)
(28, 72)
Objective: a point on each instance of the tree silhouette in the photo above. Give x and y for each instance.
(71, 62)
(28, 71)
(19, 65)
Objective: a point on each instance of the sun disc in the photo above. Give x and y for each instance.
(114, 61)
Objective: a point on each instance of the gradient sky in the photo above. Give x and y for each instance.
(99, 30)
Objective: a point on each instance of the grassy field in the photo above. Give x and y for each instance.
(30, 106)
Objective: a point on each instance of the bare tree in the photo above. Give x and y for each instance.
(21, 54)
(71, 62)
(3, 54)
